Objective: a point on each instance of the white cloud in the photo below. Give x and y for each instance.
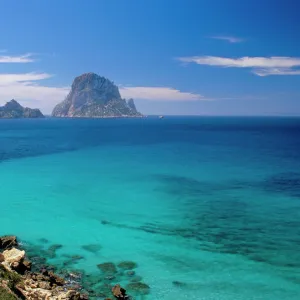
(261, 66)
(158, 93)
(11, 78)
(230, 39)
(25, 89)
(245, 62)
(25, 58)
(276, 71)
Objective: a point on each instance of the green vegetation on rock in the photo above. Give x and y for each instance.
(6, 295)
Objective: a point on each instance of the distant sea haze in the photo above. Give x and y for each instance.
(199, 208)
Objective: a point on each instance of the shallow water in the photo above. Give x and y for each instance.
(209, 208)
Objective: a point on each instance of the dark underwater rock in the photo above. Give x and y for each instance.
(43, 241)
(179, 283)
(38, 263)
(72, 259)
(130, 273)
(287, 183)
(103, 290)
(93, 248)
(136, 278)
(138, 288)
(51, 251)
(127, 265)
(55, 247)
(108, 268)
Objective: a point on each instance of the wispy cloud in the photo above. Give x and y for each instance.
(158, 93)
(276, 71)
(230, 39)
(25, 58)
(26, 88)
(11, 78)
(261, 66)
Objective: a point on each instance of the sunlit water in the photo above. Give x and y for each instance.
(209, 208)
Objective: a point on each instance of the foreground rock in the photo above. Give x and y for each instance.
(93, 96)
(14, 260)
(8, 242)
(62, 281)
(17, 282)
(13, 109)
(119, 292)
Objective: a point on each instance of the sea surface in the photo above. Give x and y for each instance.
(207, 207)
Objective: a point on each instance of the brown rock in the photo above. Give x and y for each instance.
(44, 285)
(2, 258)
(13, 257)
(40, 277)
(54, 279)
(116, 290)
(71, 295)
(8, 242)
(27, 264)
(119, 292)
(21, 267)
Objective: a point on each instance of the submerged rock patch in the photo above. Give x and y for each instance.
(138, 288)
(93, 248)
(43, 241)
(108, 268)
(127, 265)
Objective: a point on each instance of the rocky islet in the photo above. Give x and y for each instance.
(94, 96)
(14, 110)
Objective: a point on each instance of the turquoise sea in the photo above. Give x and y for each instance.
(208, 207)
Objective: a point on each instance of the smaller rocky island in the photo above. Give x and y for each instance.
(14, 110)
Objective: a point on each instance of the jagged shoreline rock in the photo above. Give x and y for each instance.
(18, 282)
(94, 96)
(26, 272)
(13, 110)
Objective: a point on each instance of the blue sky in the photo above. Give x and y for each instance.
(173, 57)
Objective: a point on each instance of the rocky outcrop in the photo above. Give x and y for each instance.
(21, 279)
(17, 282)
(13, 109)
(93, 96)
(119, 292)
(8, 241)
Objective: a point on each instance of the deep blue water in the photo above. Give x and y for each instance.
(208, 207)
